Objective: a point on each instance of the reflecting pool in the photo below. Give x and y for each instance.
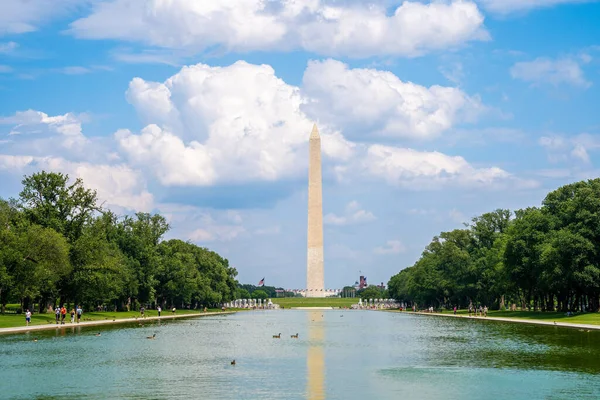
(337, 355)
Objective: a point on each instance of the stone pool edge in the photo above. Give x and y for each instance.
(24, 329)
(502, 319)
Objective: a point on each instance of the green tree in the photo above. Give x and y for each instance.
(43, 262)
(56, 242)
(400, 285)
(523, 249)
(48, 199)
(100, 271)
(9, 255)
(371, 292)
(259, 294)
(546, 257)
(138, 239)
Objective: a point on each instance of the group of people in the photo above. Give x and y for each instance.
(60, 314)
(482, 311)
(158, 309)
(478, 312)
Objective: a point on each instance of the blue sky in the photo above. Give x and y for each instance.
(431, 113)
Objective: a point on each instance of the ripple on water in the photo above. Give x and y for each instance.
(363, 355)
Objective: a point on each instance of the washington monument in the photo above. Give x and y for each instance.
(315, 282)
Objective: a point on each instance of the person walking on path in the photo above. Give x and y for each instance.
(63, 314)
(142, 309)
(485, 310)
(454, 310)
(72, 315)
(79, 312)
(159, 310)
(57, 314)
(27, 317)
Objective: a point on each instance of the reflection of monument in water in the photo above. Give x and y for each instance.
(315, 282)
(315, 357)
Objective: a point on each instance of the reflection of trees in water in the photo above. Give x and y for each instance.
(315, 358)
(505, 345)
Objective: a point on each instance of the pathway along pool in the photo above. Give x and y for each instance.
(338, 355)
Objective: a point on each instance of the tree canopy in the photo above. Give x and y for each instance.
(544, 258)
(58, 245)
(372, 292)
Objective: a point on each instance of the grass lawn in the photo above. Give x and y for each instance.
(587, 318)
(289, 302)
(14, 320)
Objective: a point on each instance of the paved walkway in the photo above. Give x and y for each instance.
(33, 328)
(519, 321)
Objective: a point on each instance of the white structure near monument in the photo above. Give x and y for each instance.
(315, 281)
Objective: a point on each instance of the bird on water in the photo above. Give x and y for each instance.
(233, 362)
(277, 336)
(294, 336)
(151, 337)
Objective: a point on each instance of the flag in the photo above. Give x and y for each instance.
(262, 282)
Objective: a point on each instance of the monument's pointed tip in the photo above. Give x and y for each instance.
(315, 132)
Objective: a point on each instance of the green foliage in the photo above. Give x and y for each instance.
(259, 294)
(544, 258)
(269, 290)
(45, 261)
(371, 292)
(100, 272)
(58, 246)
(47, 199)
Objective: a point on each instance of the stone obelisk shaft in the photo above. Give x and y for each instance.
(315, 282)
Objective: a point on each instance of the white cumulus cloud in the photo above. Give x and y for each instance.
(549, 71)
(12, 163)
(117, 186)
(221, 233)
(207, 225)
(30, 121)
(354, 29)
(38, 141)
(371, 100)
(214, 124)
(20, 16)
(35, 133)
(391, 247)
(562, 148)
(426, 170)
(353, 214)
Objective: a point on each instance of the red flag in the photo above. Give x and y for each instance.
(262, 282)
